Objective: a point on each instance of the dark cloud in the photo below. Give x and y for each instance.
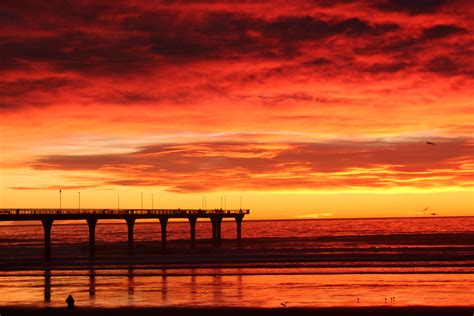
(410, 6)
(21, 87)
(441, 31)
(125, 97)
(449, 66)
(20, 93)
(319, 61)
(387, 67)
(137, 40)
(296, 28)
(80, 52)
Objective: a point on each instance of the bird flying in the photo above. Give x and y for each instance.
(284, 303)
(430, 143)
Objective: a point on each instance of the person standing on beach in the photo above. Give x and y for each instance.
(70, 302)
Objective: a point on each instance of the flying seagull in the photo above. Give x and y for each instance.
(425, 209)
(434, 214)
(430, 143)
(284, 304)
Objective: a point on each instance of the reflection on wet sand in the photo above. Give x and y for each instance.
(91, 283)
(217, 286)
(47, 285)
(234, 287)
(130, 284)
(239, 285)
(164, 287)
(193, 286)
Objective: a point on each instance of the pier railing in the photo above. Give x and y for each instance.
(87, 211)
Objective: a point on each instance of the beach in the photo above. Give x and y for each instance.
(339, 311)
(389, 265)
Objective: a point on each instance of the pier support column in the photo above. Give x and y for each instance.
(130, 224)
(216, 230)
(163, 222)
(238, 221)
(92, 222)
(192, 224)
(47, 223)
(213, 229)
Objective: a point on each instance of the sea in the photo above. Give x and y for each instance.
(294, 263)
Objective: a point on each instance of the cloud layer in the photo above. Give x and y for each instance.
(196, 96)
(205, 167)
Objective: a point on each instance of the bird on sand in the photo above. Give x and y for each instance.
(431, 143)
(284, 303)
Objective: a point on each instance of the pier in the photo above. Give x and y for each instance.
(91, 216)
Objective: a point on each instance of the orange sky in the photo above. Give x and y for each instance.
(306, 109)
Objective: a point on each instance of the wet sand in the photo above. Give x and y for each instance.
(352, 311)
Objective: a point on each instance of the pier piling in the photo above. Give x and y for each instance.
(92, 222)
(47, 223)
(130, 223)
(163, 222)
(192, 224)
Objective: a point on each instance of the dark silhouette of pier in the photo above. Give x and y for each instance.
(48, 216)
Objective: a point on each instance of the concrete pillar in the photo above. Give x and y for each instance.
(163, 222)
(238, 221)
(47, 223)
(192, 224)
(130, 224)
(213, 224)
(92, 222)
(216, 230)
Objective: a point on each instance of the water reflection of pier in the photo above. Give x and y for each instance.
(91, 283)
(47, 286)
(214, 284)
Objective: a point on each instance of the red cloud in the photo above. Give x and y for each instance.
(253, 166)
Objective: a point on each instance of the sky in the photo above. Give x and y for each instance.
(301, 109)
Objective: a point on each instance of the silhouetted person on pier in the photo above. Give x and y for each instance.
(70, 302)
